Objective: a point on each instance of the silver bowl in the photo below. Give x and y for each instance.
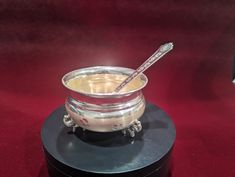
(94, 108)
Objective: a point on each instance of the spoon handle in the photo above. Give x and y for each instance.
(160, 52)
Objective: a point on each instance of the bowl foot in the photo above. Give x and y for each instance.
(68, 122)
(134, 128)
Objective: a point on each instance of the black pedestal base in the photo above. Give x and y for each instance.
(109, 154)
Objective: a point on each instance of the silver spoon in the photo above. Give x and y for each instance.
(161, 51)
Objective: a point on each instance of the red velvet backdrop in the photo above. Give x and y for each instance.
(42, 40)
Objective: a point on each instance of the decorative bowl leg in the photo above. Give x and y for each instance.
(133, 129)
(68, 122)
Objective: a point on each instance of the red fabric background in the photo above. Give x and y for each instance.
(42, 40)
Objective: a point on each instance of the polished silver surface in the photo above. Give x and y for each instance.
(102, 70)
(104, 112)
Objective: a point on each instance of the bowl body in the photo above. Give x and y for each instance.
(104, 111)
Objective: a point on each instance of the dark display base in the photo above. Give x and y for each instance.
(87, 153)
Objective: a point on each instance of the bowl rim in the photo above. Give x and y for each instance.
(113, 68)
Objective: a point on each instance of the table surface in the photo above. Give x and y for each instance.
(41, 41)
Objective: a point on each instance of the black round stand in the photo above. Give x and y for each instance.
(86, 153)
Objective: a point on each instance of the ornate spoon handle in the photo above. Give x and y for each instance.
(161, 51)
